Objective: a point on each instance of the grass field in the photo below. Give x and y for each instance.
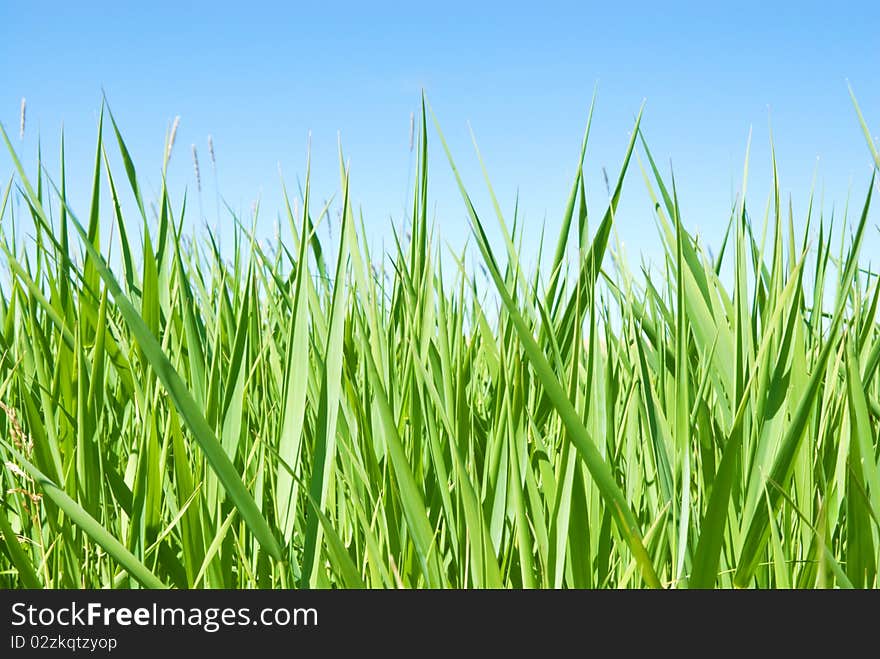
(313, 415)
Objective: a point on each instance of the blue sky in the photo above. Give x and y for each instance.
(259, 76)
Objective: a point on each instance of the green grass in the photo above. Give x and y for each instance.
(314, 416)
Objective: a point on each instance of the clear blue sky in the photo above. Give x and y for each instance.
(259, 75)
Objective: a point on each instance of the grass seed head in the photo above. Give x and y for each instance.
(20, 439)
(211, 151)
(172, 137)
(16, 470)
(196, 168)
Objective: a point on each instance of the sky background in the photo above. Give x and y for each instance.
(259, 76)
